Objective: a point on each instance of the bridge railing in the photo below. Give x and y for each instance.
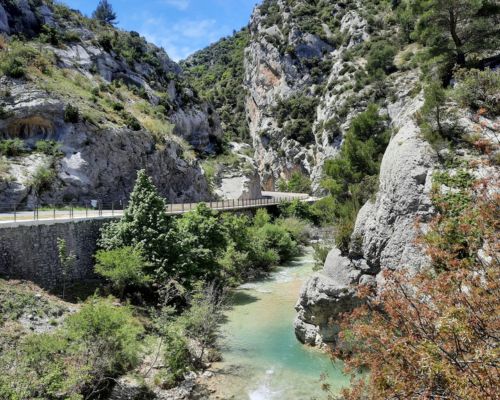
(98, 209)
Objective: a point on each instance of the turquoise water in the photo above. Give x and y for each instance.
(262, 358)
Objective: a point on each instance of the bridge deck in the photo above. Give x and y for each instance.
(47, 215)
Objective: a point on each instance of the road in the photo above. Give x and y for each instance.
(47, 215)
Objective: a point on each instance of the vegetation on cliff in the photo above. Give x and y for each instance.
(217, 73)
(435, 333)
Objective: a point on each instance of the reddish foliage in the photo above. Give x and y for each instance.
(435, 334)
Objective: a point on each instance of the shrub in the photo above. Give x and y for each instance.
(111, 332)
(479, 90)
(381, 57)
(131, 121)
(274, 238)
(48, 147)
(298, 229)
(15, 59)
(123, 267)
(93, 346)
(351, 178)
(12, 147)
(71, 114)
(298, 183)
(435, 331)
(42, 178)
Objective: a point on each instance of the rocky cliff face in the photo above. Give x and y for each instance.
(133, 110)
(299, 52)
(385, 232)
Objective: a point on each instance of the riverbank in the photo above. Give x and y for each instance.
(262, 359)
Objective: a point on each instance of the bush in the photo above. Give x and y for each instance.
(351, 178)
(71, 114)
(15, 59)
(42, 178)
(123, 267)
(479, 90)
(93, 346)
(274, 238)
(111, 332)
(298, 229)
(381, 57)
(434, 331)
(48, 147)
(12, 147)
(298, 183)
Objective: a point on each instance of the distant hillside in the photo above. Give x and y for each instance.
(217, 73)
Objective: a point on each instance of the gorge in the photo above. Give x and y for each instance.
(387, 112)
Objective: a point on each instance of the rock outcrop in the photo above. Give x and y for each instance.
(385, 232)
(287, 59)
(134, 113)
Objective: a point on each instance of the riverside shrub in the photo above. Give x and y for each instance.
(434, 334)
(93, 346)
(352, 177)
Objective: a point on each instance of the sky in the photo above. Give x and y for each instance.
(181, 27)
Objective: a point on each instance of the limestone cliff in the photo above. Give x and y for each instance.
(108, 102)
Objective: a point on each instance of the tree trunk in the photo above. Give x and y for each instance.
(456, 39)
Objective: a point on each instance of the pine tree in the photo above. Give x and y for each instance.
(145, 224)
(104, 13)
(458, 29)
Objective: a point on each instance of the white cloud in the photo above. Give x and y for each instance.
(179, 4)
(182, 38)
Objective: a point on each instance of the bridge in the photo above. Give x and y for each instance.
(11, 216)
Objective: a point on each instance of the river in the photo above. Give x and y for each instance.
(262, 358)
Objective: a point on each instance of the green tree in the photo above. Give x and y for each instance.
(124, 267)
(200, 242)
(66, 260)
(458, 29)
(145, 225)
(104, 13)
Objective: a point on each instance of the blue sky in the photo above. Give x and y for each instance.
(179, 26)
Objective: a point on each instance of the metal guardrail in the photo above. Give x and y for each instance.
(85, 210)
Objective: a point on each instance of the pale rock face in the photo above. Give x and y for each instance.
(100, 163)
(241, 182)
(385, 232)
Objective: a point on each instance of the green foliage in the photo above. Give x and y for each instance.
(48, 147)
(94, 345)
(275, 238)
(320, 254)
(298, 183)
(381, 57)
(12, 147)
(217, 74)
(104, 13)
(71, 114)
(16, 58)
(299, 209)
(123, 266)
(352, 177)
(42, 178)
(66, 261)
(299, 229)
(261, 218)
(199, 244)
(296, 116)
(455, 32)
(110, 331)
(479, 90)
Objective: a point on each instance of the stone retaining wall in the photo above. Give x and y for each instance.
(30, 252)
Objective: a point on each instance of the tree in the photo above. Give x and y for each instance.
(435, 334)
(145, 225)
(66, 260)
(458, 29)
(104, 13)
(123, 267)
